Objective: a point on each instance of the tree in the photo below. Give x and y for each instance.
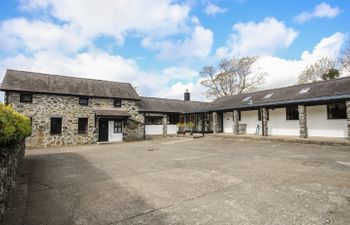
(345, 58)
(231, 77)
(332, 74)
(323, 69)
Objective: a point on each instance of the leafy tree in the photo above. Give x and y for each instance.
(323, 69)
(14, 127)
(332, 74)
(231, 77)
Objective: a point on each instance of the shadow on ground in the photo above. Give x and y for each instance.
(64, 188)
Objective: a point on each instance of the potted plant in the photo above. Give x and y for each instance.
(190, 126)
(181, 128)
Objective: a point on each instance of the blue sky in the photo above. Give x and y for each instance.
(161, 45)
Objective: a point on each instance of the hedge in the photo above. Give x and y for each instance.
(14, 127)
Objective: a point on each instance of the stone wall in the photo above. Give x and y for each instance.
(235, 120)
(11, 165)
(44, 107)
(215, 123)
(265, 122)
(165, 122)
(208, 122)
(302, 121)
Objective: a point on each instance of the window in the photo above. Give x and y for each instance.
(82, 125)
(153, 120)
(336, 110)
(268, 95)
(292, 113)
(260, 114)
(246, 98)
(83, 101)
(56, 126)
(26, 98)
(304, 90)
(117, 103)
(173, 118)
(118, 126)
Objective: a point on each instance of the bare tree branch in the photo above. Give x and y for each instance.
(345, 58)
(231, 77)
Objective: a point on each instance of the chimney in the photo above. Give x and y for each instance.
(187, 95)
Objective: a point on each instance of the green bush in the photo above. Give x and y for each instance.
(14, 127)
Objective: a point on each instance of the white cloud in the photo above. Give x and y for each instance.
(197, 45)
(101, 65)
(19, 33)
(212, 9)
(263, 38)
(327, 47)
(283, 72)
(322, 10)
(116, 18)
(177, 91)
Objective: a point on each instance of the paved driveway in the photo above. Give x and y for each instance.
(184, 181)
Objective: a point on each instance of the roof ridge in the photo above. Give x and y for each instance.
(66, 76)
(172, 99)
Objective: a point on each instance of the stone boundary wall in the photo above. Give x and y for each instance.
(11, 165)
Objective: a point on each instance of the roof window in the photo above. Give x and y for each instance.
(268, 95)
(304, 90)
(246, 98)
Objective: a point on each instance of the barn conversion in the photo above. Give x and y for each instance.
(69, 110)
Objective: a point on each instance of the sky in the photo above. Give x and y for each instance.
(160, 46)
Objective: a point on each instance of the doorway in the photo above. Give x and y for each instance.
(103, 130)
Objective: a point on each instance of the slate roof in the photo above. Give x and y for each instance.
(152, 104)
(15, 80)
(322, 91)
(111, 113)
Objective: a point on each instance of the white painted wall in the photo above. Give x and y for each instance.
(251, 119)
(154, 129)
(279, 125)
(111, 135)
(228, 122)
(320, 126)
(172, 129)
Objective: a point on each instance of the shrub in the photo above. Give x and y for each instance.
(14, 127)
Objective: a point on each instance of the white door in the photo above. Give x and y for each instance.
(115, 130)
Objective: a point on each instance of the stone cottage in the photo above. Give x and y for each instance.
(69, 110)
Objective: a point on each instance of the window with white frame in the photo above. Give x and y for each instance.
(118, 126)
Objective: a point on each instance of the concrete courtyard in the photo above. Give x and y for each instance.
(211, 180)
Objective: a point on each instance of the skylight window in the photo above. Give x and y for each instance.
(246, 98)
(305, 90)
(268, 95)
